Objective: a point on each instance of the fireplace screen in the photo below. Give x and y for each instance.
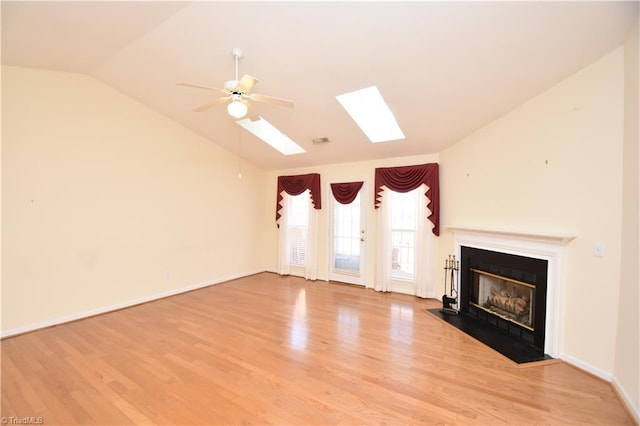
(507, 298)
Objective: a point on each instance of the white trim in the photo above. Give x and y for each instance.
(122, 305)
(633, 408)
(562, 239)
(626, 399)
(538, 246)
(586, 367)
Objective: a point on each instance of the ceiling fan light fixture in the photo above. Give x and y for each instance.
(237, 109)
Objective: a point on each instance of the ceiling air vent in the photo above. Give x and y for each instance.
(319, 141)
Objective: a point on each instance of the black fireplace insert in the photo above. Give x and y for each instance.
(505, 291)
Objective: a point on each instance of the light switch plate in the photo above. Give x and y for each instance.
(598, 250)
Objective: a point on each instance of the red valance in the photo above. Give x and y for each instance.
(296, 185)
(346, 192)
(408, 178)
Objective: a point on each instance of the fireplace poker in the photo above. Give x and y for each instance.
(451, 268)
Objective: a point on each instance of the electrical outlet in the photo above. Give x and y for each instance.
(598, 250)
(167, 276)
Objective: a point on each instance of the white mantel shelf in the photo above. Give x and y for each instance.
(560, 239)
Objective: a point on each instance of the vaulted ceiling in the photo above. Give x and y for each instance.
(445, 68)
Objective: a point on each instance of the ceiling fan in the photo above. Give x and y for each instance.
(238, 92)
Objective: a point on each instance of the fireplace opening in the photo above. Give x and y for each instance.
(505, 291)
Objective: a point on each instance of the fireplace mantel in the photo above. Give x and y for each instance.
(561, 239)
(548, 247)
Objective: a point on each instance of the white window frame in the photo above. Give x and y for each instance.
(396, 272)
(298, 227)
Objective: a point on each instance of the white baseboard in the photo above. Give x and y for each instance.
(632, 406)
(117, 306)
(587, 367)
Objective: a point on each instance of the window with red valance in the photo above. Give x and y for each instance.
(296, 185)
(407, 178)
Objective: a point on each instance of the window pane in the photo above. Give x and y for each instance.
(404, 210)
(346, 236)
(298, 218)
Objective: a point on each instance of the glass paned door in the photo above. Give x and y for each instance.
(348, 238)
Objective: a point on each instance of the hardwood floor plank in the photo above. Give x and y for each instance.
(279, 350)
(13, 379)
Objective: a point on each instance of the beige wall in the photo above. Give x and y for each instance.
(345, 172)
(627, 361)
(553, 166)
(106, 201)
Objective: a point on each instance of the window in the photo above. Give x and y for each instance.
(404, 216)
(298, 221)
(346, 236)
(271, 135)
(372, 114)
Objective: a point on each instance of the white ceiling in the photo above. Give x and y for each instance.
(444, 68)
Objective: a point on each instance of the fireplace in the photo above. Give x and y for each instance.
(547, 306)
(505, 291)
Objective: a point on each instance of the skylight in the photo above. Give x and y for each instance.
(271, 135)
(372, 114)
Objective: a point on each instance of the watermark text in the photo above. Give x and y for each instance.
(27, 420)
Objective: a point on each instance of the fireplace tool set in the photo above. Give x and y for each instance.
(452, 270)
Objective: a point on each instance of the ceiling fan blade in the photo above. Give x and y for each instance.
(251, 112)
(270, 100)
(246, 83)
(197, 86)
(212, 103)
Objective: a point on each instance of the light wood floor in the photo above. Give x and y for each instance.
(279, 350)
